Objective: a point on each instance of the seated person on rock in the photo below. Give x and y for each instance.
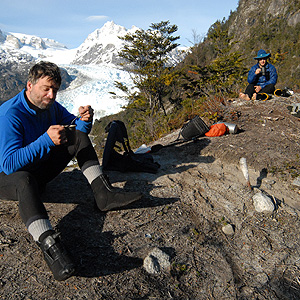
(262, 78)
(34, 149)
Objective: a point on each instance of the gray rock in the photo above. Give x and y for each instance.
(156, 261)
(228, 229)
(261, 279)
(296, 181)
(263, 203)
(269, 181)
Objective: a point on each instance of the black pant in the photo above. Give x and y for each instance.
(26, 186)
(268, 89)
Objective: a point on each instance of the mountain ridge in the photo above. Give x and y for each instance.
(102, 45)
(19, 52)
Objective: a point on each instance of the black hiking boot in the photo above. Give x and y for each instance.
(56, 257)
(108, 198)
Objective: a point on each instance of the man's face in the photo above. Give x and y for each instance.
(43, 93)
(262, 62)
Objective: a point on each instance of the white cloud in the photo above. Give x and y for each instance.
(96, 18)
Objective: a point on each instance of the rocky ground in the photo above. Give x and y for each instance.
(198, 190)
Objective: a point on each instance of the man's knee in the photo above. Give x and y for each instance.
(269, 89)
(24, 179)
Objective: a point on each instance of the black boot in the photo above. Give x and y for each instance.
(57, 257)
(107, 198)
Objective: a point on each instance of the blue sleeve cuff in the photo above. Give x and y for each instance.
(83, 126)
(48, 140)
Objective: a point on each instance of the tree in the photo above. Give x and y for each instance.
(223, 72)
(146, 55)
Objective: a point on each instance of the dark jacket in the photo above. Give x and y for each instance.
(270, 78)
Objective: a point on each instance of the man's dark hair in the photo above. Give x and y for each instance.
(44, 69)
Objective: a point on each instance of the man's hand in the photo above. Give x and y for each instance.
(57, 134)
(257, 88)
(86, 113)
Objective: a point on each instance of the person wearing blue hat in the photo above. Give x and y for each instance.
(262, 78)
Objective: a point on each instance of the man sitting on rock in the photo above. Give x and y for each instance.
(262, 78)
(34, 149)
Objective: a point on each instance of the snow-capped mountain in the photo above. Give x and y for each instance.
(93, 67)
(23, 47)
(102, 45)
(18, 40)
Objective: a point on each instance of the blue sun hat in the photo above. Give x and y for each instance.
(262, 54)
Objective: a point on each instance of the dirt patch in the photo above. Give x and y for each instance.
(198, 189)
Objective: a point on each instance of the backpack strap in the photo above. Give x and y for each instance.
(116, 133)
(123, 136)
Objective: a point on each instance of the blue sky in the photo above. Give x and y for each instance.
(71, 21)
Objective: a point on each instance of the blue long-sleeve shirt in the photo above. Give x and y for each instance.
(23, 132)
(259, 79)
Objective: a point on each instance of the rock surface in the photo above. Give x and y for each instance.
(198, 189)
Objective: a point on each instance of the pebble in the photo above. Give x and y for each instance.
(263, 203)
(156, 261)
(228, 229)
(269, 181)
(268, 186)
(296, 181)
(261, 279)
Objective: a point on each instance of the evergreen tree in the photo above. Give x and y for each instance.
(146, 55)
(222, 73)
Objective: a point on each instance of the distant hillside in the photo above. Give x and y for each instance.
(273, 25)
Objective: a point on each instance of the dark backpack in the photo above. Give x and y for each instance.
(128, 161)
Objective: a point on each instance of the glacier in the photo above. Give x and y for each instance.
(93, 86)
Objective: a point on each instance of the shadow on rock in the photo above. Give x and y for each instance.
(192, 147)
(263, 174)
(147, 202)
(286, 289)
(73, 188)
(68, 187)
(173, 159)
(90, 248)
